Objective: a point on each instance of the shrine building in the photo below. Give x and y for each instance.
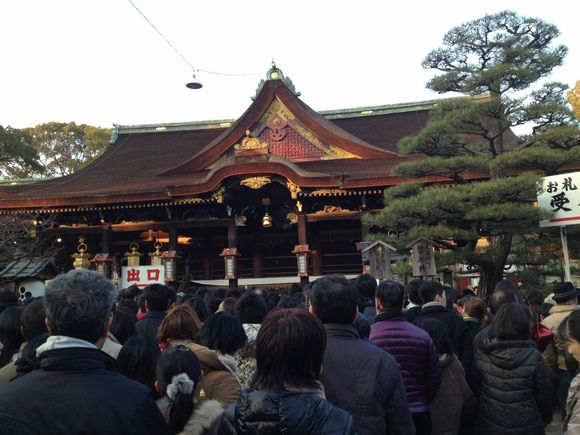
(274, 196)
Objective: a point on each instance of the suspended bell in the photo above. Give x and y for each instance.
(267, 220)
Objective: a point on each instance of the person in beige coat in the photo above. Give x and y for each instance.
(219, 338)
(566, 296)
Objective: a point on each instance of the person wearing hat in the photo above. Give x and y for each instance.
(566, 297)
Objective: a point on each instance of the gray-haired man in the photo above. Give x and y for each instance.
(75, 390)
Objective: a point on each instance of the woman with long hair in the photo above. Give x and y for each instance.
(287, 396)
(178, 374)
(137, 360)
(510, 377)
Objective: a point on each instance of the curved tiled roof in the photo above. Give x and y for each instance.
(160, 162)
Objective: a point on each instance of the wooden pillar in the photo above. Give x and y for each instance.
(316, 252)
(302, 229)
(206, 265)
(258, 257)
(364, 231)
(172, 237)
(106, 239)
(302, 240)
(232, 243)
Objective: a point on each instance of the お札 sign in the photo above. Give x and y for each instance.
(560, 194)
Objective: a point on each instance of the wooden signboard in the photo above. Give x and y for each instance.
(376, 259)
(423, 257)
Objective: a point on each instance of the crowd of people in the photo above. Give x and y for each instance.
(339, 356)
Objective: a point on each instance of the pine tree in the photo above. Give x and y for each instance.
(469, 145)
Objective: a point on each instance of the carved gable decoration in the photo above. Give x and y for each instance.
(250, 146)
(285, 136)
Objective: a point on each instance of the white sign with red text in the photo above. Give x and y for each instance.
(142, 276)
(560, 194)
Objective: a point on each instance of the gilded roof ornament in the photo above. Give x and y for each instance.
(332, 209)
(294, 189)
(275, 73)
(250, 146)
(255, 182)
(218, 195)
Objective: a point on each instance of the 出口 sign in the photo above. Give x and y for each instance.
(142, 276)
(560, 194)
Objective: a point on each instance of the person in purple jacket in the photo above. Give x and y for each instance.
(357, 376)
(412, 348)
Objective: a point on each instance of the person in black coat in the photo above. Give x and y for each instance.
(75, 390)
(366, 286)
(510, 378)
(287, 396)
(434, 300)
(357, 376)
(497, 299)
(473, 316)
(413, 308)
(158, 298)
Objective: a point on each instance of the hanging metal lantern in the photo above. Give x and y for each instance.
(102, 264)
(133, 257)
(157, 254)
(302, 252)
(82, 257)
(169, 261)
(230, 262)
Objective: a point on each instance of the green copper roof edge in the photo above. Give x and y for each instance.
(378, 110)
(354, 112)
(173, 126)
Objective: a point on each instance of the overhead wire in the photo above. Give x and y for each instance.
(179, 52)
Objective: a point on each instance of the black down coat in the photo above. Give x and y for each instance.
(513, 387)
(282, 412)
(74, 392)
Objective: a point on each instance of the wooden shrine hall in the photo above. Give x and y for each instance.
(279, 192)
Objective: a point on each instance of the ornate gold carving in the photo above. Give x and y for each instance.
(192, 200)
(240, 221)
(250, 143)
(294, 189)
(255, 182)
(276, 107)
(328, 192)
(306, 134)
(332, 209)
(337, 153)
(292, 217)
(331, 152)
(218, 195)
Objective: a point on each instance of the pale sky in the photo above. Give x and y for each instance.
(99, 62)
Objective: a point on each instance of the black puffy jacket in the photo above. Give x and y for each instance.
(76, 392)
(513, 387)
(279, 411)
